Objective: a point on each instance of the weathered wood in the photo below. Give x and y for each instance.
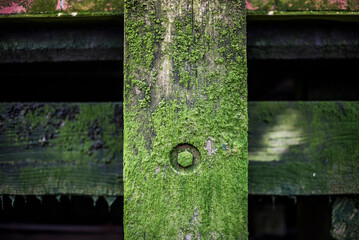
(61, 149)
(288, 143)
(312, 38)
(185, 90)
(307, 6)
(97, 7)
(55, 39)
(304, 148)
(345, 218)
(73, 7)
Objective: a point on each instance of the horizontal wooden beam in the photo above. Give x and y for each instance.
(57, 8)
(48, 7)
(61, 149)
(303, 148)
(304, 6)
(28, 40)
(274, 37)
(295, 148)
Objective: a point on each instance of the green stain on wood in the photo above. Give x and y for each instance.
(304, 148)
(176, 94)
(42, 6)
(61, 148)
(298, 148)
(46, 7)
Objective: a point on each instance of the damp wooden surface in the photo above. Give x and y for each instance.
(29, 40)
(36, 40)
(57, 8)
(185, 90)
(64, 148)
(298, 148)
(73, 8)
(303, 148)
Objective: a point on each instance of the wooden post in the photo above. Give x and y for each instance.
(185, 116)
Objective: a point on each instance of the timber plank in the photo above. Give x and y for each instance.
(288, 143)
(61, 148)
(60, 40)
(304, 148)
(58, 8)
(48, 7)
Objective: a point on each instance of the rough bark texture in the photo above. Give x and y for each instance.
(185, 90)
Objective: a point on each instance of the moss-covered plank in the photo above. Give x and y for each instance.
(294, 149)
(185, 91)
(304, 148)
(61, 149)
(72, 7)
(302, 7)
(56, 8)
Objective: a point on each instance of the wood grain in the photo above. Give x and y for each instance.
(303, 148)
(295, 148)
(185, 90)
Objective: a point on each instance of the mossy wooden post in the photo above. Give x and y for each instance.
(185, 116)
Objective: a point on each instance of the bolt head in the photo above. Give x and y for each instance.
(185, 159)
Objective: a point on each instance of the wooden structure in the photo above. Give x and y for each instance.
(295, 149)
(185, 97)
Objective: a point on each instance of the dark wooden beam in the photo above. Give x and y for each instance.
(28, 40)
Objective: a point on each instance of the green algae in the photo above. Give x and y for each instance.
(61, 148)
(48, 8)
(192, 101)
(303, 148)
(185, 159)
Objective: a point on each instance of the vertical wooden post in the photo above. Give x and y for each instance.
(185, 115)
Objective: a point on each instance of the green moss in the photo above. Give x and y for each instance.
(40, 6)
(193, 101)
(47, 8)
(185, 159)
(62, 148)
(299, 147)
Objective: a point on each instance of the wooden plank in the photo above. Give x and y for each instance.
(61, 148)
(185, 94)
(64, 7)
(345, 218)
(274, 37)
(58, 40)
(301, 7)
(304, 148)
(21, 8)
(288, 142)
